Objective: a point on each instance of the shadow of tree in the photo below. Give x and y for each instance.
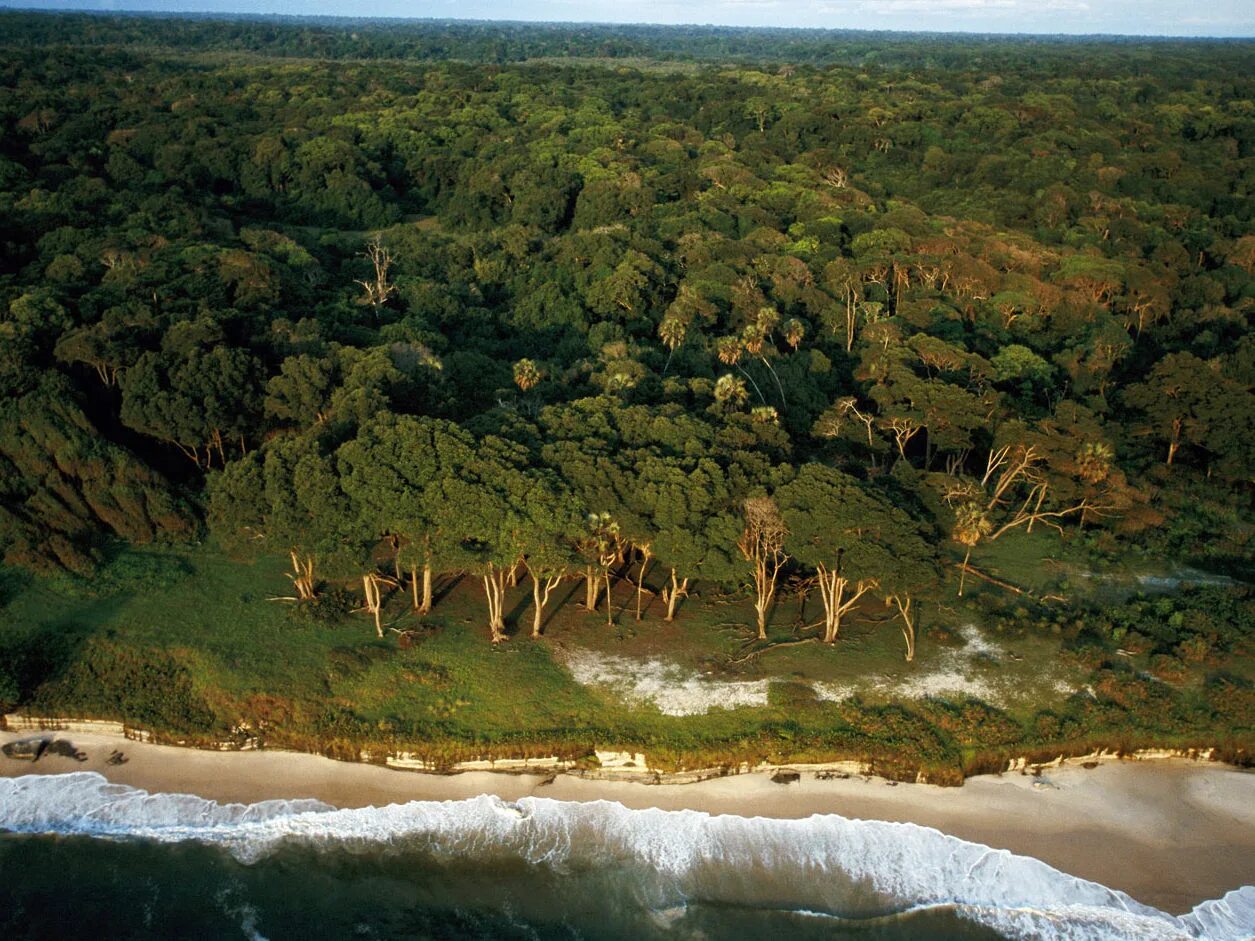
(44, 653)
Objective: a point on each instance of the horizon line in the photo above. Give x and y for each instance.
(251, 15)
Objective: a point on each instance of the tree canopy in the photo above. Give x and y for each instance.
(395, 300)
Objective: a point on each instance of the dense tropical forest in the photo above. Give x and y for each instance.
(877, 329)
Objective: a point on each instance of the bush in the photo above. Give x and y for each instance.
(9, 691)
(791, 695)
(973, 722)
(126, 571)
(147, 688)
(329, 607)
(1167, 668)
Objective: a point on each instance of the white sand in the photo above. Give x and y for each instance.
(1170, 833)
(681, 691)
(675, 690)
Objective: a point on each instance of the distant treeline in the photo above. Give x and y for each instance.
(437, 40)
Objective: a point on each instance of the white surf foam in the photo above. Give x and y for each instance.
(824, 863)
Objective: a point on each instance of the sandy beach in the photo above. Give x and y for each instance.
(1170, 833)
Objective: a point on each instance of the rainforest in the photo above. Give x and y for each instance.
(483, 391)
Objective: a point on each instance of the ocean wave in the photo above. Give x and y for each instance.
(823, 864)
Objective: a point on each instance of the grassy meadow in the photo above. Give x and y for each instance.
(197, 646)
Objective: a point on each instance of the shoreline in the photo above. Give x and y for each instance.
(1171, 833)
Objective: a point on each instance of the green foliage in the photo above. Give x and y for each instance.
(195, 399)
(142, 687)
(1191, 624)
(125, 572)
(63, 483)
(328, 608)
(1019, 362)
(388, 296)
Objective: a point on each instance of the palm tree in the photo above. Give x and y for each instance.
(730, 391)
(794, 331)
(729, 350)
(671, 331)
(527, 374)
(971, 525)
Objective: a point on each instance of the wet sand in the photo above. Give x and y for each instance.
(1170, 833)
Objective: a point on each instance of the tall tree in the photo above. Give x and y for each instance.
(762, 546)
(845, 532)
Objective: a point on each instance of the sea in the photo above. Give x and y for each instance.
(83, 858)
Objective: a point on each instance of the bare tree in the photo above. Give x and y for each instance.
(379, 288)
(646, 551)
(374, 600)
(1010, 471)
(832, 589)
(671, 596)
(423, 605)
(837, 177)
(603, 547)
(762, 545)
(902, 601)
(302, 576)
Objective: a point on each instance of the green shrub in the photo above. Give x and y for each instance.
(125, 572)
(330, 606)
(9, 691)
(147, 688)
(791, 695)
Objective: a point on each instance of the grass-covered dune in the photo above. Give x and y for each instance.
(195, 646)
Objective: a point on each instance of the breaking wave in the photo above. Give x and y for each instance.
(825, 867)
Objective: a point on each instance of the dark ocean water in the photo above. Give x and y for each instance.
(82, 858)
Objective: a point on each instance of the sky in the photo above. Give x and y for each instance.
(1128, 17)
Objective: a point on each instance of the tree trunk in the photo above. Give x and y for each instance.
(779, 385)
(850, 313)
(763, 590)
(494, 591)
(538, 605)
(421, 605)
(646, 555)
(963, 570)
(302, 576)
(395, 543)
(831, 590)
(540, 598)
(609, 602)
(672, 596)
(766, 572)
(222, 454)
(592, 587)
(374, 604)
(903, 604)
